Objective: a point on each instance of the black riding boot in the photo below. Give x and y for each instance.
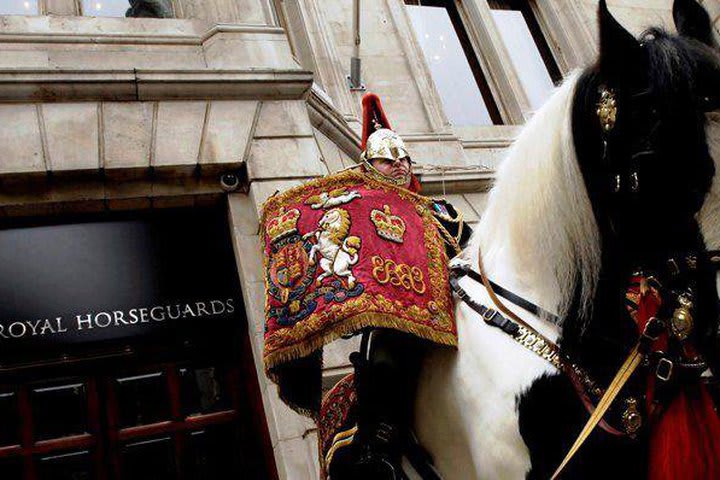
(385, 382)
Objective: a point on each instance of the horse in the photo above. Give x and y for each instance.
(578, 203)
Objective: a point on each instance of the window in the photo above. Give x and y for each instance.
(19, 7)
(453, 64)
(126, 8)
(527, 47)
(105, 8)
(152, 422)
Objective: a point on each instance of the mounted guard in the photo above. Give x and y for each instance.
(359, 252)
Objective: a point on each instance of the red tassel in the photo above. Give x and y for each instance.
(685, 442)
(685, 439)
(372, 112)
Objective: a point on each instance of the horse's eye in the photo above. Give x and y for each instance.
(710, 103)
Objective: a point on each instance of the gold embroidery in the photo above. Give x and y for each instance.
(334, 198)
(338, 250)
(388, 226)
(284, 224)
(400, 275)
(356, 313)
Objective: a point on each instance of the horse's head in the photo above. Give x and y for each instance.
(639, 125)
(579, 189)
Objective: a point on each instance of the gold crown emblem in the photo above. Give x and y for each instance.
(390, 227)
(284, 224)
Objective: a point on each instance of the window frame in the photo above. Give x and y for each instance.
(481, 77)
(80, 11)
(530, 13)
(105, 437)
(41, 10)
(494, 60)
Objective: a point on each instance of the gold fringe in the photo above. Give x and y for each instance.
(352, 325)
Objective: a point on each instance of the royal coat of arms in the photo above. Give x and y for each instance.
(346, 252)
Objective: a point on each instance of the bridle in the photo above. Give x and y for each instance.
(524, 334)
(597, 400)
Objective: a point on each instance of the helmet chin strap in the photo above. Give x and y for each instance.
(374, 172)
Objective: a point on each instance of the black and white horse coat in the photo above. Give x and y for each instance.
(556, 233)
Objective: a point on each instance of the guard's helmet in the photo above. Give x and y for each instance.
(380, 141)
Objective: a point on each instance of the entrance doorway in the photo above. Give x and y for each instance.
(134, 368)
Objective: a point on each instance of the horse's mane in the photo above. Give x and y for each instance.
(539, 223)
(709, 216)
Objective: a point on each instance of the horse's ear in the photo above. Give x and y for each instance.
(692, 21)
(621, 54)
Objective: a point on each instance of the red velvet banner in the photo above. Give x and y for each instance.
(346, 252)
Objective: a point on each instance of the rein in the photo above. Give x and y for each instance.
(528, 337)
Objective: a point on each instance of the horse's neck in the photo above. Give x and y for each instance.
(502, 271)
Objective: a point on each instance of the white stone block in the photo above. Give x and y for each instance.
(250, 261)
(283, 118)
(223, 11)
(227, 133)
(178, 132)
(127, 133)
(261, 191)
(335, 354)
(249, 50)
(478, 201)
(285, 158)
(462, 206)
(72, 135)
(20, 139)
(242, 215)
(332, 155)
(297, 458)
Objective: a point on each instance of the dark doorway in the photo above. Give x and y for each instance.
(144, 369)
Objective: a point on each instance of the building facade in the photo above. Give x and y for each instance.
(134, 124)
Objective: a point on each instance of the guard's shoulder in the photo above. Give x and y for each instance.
(444, 209)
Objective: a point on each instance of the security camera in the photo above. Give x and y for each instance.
(229, 182)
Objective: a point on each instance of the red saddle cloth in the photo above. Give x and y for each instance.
(343, 253)
(685, 438)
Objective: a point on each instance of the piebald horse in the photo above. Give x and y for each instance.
(572, 212)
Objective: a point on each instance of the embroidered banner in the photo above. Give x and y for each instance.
(346, 252)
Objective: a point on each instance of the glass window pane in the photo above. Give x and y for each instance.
(11, 468)
(203, 390)
(9, 419)
(149, 459)
(449, 66)
(105, 8)
(59, 410)
(66, 466)
(524, 55)
(19, 7)
(143, 399)
(214, 453)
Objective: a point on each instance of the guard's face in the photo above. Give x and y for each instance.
(396, 169)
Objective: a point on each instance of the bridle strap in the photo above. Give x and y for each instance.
(501, 306)
(531, 340)
(623, 375)
(528, 338)
(513, 297)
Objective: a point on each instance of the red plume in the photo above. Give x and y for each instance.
(372, 112)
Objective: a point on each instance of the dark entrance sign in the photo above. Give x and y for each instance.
(67, 288)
